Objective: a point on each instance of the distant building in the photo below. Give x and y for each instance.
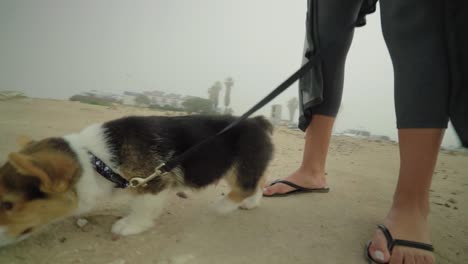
(380, 137)
(160, 98)
(276, 114)
(5, 95)
(103, 95)
(356, 133)
(157, 98)
(128, 98)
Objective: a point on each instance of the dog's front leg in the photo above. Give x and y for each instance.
(144, 209)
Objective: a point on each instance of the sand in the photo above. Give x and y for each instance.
(308, 228)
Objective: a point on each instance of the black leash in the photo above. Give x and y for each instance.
(120, 182)
(272, 95)
(166, 167)
(313, 59)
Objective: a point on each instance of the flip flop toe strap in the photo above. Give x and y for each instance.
(388, 236)
(293, 185)
(391, 243)
(411, 244)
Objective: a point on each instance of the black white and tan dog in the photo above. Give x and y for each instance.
(54, 178)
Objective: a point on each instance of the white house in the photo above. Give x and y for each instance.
(157, 98)
(163, 99)
(103, 95)
(128, 98)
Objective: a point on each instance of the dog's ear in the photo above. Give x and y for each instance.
(23, 141)
(55, 171)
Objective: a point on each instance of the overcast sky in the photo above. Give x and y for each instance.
(57, 48)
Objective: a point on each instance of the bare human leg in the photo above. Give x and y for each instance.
(311, 173)
(407, 218)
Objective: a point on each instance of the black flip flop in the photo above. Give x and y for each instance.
(391, 243)
(298, 189)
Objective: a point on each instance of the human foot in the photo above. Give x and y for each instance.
(407, 225)
(299, 178)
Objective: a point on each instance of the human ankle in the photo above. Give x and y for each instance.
(412, 208)
(309, 178)
(312, 172)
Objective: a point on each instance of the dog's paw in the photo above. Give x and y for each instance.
(252, 201)
(131, 226)
(225, 206)
(248, 206)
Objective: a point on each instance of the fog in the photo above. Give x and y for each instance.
(54, 49)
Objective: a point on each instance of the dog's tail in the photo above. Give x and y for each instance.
(263, 123)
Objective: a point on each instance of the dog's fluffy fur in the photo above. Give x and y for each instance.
(53, 178)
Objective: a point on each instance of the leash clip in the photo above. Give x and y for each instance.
(143, 182)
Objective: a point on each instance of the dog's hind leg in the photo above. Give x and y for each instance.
(244, 195)
(144, 209)
(255, 152)
(254, 200)
(233, 200)
(246, 176)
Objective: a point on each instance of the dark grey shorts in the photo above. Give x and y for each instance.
(428, 45)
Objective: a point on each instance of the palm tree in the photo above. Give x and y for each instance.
(292, 106)
(213, 93)
(228, 83)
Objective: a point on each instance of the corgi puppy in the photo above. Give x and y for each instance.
(50, 179)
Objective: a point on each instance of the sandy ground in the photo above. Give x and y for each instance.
(308, 228)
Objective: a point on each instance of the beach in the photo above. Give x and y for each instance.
(305, 228)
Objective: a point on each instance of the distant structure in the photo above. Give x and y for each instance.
(356, 133)
(379, 138)
(292, 107)
(103, 95)
(156, 98)
(228, 83)
(7, 95)
(275, 116)
(160, 98)
(128, 98)
(213, 94)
